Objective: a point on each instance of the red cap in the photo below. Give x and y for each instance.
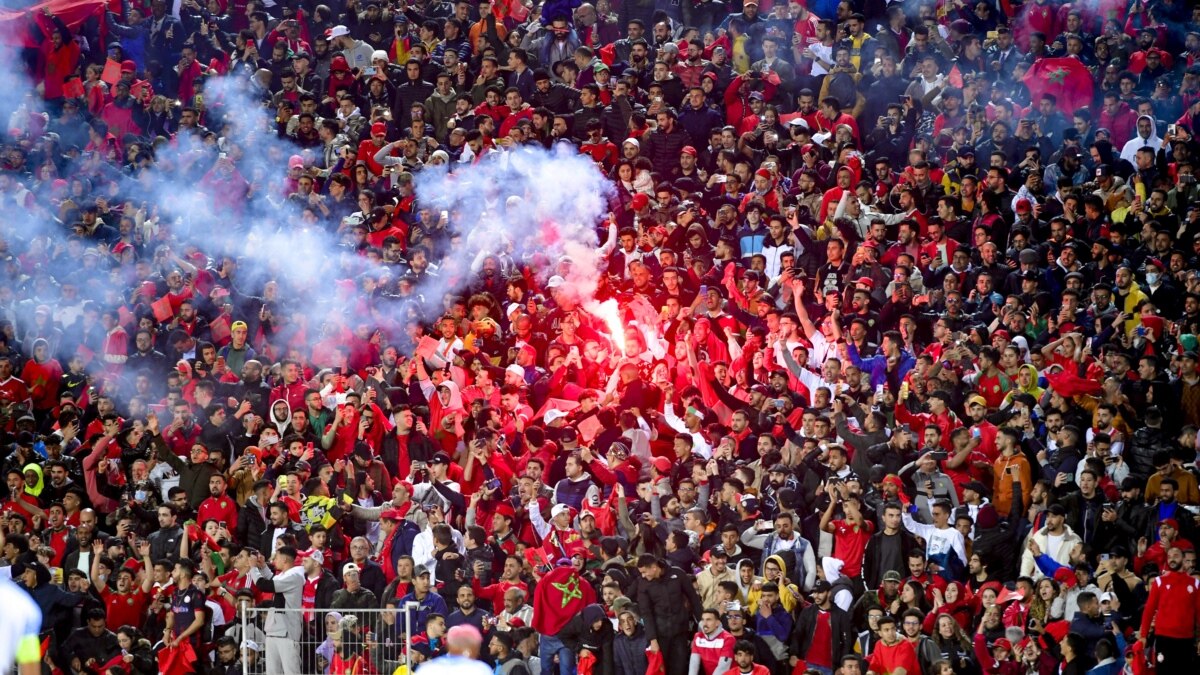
(1174, 524)
(688, 150)
(505, 509)
(379, 129)
(391, 514)
(865, 281)
(1023, 206)
(640, 201)
(1066, 577)
(662, 464)
(516, 622)
(1002, 643)
(765, 173)
(1156, 262)
(1002, 333)
(128, 66)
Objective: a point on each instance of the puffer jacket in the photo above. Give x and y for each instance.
(669, 604)
(1145, 443)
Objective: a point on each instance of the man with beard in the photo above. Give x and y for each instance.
(467, 612)
(1173, 622)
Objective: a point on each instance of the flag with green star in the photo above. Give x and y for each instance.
(1065, 78)
(558, 597)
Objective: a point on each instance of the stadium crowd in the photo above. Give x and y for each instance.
(888, 364)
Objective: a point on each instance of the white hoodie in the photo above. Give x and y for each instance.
(1129, 152)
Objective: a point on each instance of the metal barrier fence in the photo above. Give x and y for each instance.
(379, 635)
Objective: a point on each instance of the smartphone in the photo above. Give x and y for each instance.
(1140, 331)
(704, 290)
(779, 403)
(993, 35)
(1171, 129)
(309, 447)
(223, 526)
(493, 484)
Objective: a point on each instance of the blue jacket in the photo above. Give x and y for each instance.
(432, 604)
(877, 365)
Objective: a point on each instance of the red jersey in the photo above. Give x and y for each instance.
(821, 651)
(886, 659)
(222, 509)
(712, 649)
(14, 390)
(849, 544)
(993, 388)
(123, 609)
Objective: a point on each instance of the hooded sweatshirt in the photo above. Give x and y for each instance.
(1129, 151)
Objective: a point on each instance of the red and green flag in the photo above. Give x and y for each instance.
(560, 595)
(1067, 78)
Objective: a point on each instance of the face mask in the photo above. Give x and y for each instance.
(1152, 278)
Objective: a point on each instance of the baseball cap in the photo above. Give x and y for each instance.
(338, 31)
(977, 400)
(553, 416)
(891, 575)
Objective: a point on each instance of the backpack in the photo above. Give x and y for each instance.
(843, 87)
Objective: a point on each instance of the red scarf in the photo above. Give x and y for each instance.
(308, 597)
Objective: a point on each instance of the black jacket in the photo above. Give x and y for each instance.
(663, 148)
(664, 614)
(252, 527)
(86, 647)
(840, 627)
(872, 574)
(578, 634)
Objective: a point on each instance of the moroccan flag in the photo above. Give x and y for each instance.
(1069, 384)
(176, 660)
(560, 595)
(1067, 78)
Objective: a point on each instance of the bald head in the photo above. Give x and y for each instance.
(464, 640)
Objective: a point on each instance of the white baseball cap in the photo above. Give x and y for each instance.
(338, 31)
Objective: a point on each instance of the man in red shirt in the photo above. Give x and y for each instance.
(21, 502)
(219, 506)
(1174, 622)
(850, 533)
(892, 655)
(743, 660)
(712, 646)
(58, 535)
(985, 431)
(991, 383)
(127, 604)
(12, 388)
(823, 631)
